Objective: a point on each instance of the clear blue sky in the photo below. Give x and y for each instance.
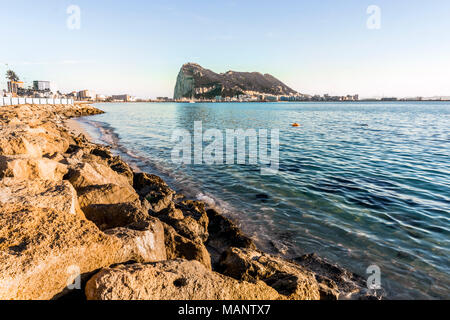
(315, 47)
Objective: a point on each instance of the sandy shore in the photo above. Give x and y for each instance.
(76, 128)
(70, 208)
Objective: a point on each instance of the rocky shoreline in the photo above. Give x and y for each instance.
(78, 222)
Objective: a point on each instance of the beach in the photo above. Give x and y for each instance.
(79, 222)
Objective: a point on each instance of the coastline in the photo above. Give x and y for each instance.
(132, 217)
(76, 128)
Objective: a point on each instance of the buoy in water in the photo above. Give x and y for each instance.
(295, 125)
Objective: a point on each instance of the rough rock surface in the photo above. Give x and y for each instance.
(224, 234)
(154, 190)
(40, 246)
(106, 194)
(143, 245)
(334, 281)
(109, 216)
(172, 280)
(60, 196)
(178, 246)
(289, 279)
(31, 168)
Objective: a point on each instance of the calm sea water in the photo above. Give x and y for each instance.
(359, 183)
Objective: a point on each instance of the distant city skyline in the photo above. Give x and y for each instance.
(138, 47)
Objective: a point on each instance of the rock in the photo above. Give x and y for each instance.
(193, 81)
(178, 246)
(196, 210)
(143, 245)
(20, 167)
(188, 218)
(334, 281)
(32, 142)
(154, 190)
(108, 216)
(289, 279)
(172, 280)
(60, 196)
(121, 168)
(223, 234)
(88, 174)
(41, 248)
(106, 194)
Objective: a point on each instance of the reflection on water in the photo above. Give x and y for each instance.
(359, 184)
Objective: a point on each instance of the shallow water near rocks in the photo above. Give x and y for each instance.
(358, 183)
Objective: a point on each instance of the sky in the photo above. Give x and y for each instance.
(315, 47)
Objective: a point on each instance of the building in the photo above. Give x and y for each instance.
(100, 97)
(84, 95)
(14, 86)
(41, 85)
(121, 97)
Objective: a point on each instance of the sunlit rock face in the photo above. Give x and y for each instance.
(196, 82)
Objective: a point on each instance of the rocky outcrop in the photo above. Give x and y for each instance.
(40, 248)
(140, 242)
(108, 216)
(224, 234)
(289, 279)
(178, 246)
(193, 81)
(154, 190)
(22, 167)
(172, 280)
(334, 282)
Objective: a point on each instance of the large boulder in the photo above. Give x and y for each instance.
(334, 281)
(178, 246)
(109, 216)
(41, 248)
(289, 279)
(85, 174)
(172, 280)
(141, 242)
(106, 194)
(224, 234)
(154, 190)
(21, 167)
(60, 196)
(33, 142)
(189, 219)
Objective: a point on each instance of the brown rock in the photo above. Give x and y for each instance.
(289, 279)
(106, 194)
(32, 142)
(88, 174)
(143, 245)
(178, 246)
(188, 218)
(108, 216)
(334, 281)
(40, 248)
(224, 234)
(154, 190)
(172, 280)
(21, 167)
(60, 196)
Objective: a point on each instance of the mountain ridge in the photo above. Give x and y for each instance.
(196, 82)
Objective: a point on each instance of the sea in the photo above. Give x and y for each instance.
(359, 183)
